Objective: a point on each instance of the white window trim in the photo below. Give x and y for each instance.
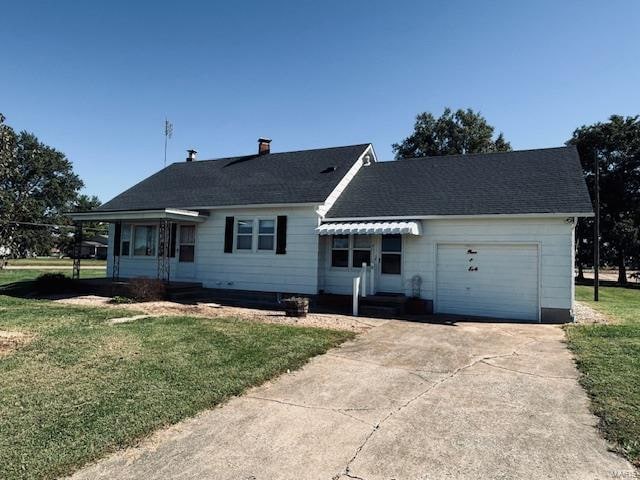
(255, 222)
(130, 225)
(179, 243)
(273, 235)
(388, 252)
(350, 267)
(133, 240)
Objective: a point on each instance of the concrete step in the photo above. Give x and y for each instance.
(382, 299)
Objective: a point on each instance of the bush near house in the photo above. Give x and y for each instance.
(147, 289)
(48, 283)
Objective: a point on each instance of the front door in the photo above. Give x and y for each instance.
(186, 252)
(390, 264)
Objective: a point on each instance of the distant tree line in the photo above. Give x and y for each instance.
(615, 145)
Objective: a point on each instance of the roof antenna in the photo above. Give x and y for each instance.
(168, 133)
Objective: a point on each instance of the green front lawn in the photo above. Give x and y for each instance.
(83, 388)
(609, 358)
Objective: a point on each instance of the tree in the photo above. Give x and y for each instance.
(37, 185)
(464, 131)
(615, 145)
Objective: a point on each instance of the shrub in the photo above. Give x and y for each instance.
(147, 289)
(53, 283)
(119, 299)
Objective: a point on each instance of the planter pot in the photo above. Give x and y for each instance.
(296, 306)
(416, 306)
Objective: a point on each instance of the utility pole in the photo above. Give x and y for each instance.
(168, 133)
(596, 233)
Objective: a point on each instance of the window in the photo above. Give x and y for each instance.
(351, 250)
(340, 251)
(391, 254)
(144, 240)
(187, 243)
(266, 234)
(125, 240)
(361, 250)
(244, 237)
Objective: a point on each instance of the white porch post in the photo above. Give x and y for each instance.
(364, 279)
(372, 276)
(356, 287)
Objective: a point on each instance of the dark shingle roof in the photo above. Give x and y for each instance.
(289, 177)
(528, 181)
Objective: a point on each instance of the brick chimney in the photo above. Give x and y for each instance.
(191, 155)
(264, 146)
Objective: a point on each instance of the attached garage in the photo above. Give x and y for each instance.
(490, 280)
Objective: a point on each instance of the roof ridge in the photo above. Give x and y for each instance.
(272, 153)
(565, 147)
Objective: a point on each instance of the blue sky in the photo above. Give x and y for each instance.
(96, 79)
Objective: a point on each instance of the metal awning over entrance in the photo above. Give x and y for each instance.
(367, 228)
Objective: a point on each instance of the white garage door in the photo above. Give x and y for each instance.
(489, 280)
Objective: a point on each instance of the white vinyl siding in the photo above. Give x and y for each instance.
(553, 235)
(489, 280)
(257, 270)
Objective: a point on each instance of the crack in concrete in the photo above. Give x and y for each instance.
(376, 427)
(554, 377)
(341, 411)
(408, 370)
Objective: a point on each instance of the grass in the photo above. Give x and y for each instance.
(53, 261)
(621, 304)
(83, 388)
(609, 358)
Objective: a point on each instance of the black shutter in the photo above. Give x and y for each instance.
(172, 242)
(228, 235)
(116, 239)
(281, 239)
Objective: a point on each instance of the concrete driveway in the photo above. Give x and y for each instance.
(403, 401)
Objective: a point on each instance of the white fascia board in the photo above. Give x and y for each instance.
(344, 182)
(461, 217)
(257, 205)
(162, 214)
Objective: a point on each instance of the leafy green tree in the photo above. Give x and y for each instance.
(37, 185)
(616, 147)
(464, 131)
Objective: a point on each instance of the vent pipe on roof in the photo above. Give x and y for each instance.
(264, 146)
(191, 155)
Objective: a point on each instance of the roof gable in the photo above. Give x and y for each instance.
(306, 176)
(521, 182)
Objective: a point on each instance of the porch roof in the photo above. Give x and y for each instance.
(140, 215)
(364, 228)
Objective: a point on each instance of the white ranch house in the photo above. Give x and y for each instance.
(488, 235)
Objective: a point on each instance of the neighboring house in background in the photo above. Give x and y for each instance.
(95, 247)
(487, 234)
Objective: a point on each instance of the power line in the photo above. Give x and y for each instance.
(34, 224)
